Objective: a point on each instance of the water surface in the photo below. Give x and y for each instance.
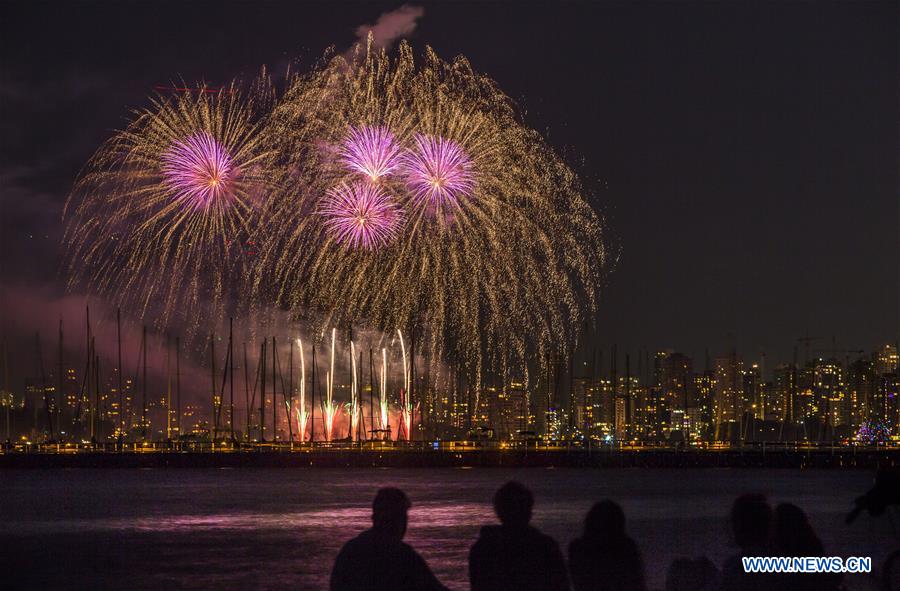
(281, 528)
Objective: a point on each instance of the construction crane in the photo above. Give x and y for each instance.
(845, 351)
(807, 340)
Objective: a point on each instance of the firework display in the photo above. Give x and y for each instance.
(199, 172)
(371, 151)
(438, 172)
(381, 191)
(360, 215)
(494, 255)
(156, 222)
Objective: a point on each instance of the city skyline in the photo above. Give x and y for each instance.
(659, 396)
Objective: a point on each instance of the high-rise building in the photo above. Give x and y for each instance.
(621, 420)
(512, 410)
(704, 394)
(583, 389)
(886, 407)
(806, 407)
(829, 393)
(729, 388)
(643, 411)
(603, 412)
(887, 360)
(782, 403)
(672, 373)
(862, 385)
(751, 400)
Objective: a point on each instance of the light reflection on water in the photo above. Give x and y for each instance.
(273, 529)
(424, 516)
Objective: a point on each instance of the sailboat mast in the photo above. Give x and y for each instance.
(262, 391)
(60, 398)
(95, 425)
(92, 378)
(290, 404)
(274, 395)
(118, 370)
(371, 395)
(247, 393)
(178, 386)
(144, 382)
(359, 407)
(214, 418)
(168, 388)
(231, 376)
(312, 408)
(7, 398)
(40, 358)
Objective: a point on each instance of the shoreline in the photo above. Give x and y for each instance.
(835, 459)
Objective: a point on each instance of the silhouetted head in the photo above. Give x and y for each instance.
(389, 512)
(513, 503)
(794, 536)
(605, 519)
(751, 521)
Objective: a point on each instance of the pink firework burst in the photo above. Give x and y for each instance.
(438, 171)
(199, 170)
(361, 215)
(371, 151)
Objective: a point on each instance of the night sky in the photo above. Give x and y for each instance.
(744, 154)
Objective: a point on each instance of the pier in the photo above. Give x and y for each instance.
(455, 454)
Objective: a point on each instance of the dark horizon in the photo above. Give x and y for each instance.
(743, 156)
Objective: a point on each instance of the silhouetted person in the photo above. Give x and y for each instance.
(514, 556)
(751, 524)
(890, 574)
(692, 574)
(884, 494)
(794, 536)
(604, 558)
(378, 559)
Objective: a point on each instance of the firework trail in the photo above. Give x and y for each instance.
(406, 415)
(498, 257)
(329, 409)
(382, 396)
(407, 375)
(157, 220)
(354, 395)
(361, 215)
(302, 413)
(406, 407)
